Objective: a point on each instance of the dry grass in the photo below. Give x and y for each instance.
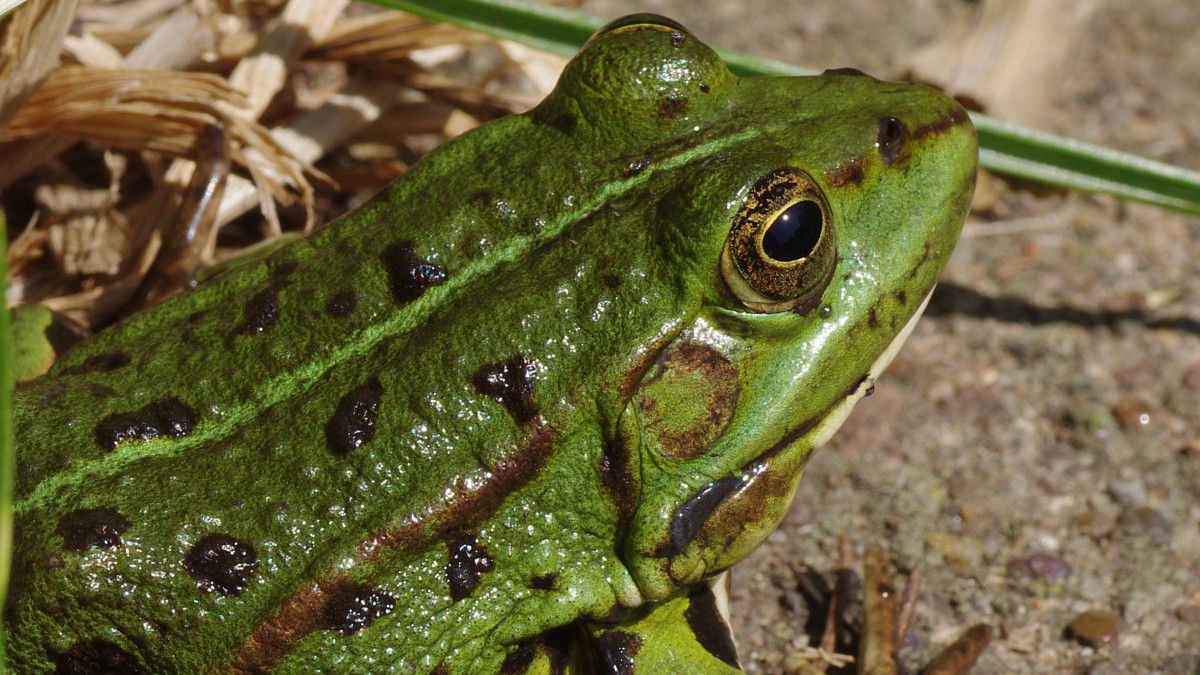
(175, 133)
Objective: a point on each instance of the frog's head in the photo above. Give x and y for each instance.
(809, 218)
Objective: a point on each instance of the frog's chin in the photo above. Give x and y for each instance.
(833, 421)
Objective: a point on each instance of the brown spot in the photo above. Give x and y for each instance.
(468, 563)
(703, 88)
(299, 616)
(544, 582)
(470, 498)
(850, 173)
(342, 304)
(91, 528)
(100, 363)
(689, 399)
(353, 422)
(672, 107)
(511, 384)
(615, 650)
(409, 276)
(709, 626)
(354, 607)
(97, 657)
(616, 475)
(168, 417)
(873, 319)
(901, 296)
(612, 281)
(261, 312)
(956, 117)
(221, 563)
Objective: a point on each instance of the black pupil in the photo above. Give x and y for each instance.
(794, 233)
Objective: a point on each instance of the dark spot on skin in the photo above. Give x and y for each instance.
(544, 582)
(678, 38)
(611, 280)
(703, 88)
(635, 167)
(101, 391)
(850, 173)
(439, 670)
(892, 139)
(873, 319)
(563, 121)
(615, 651)
(62, 333)
(510, 382)
(261, 312)
(221, 563)
(690, 517)
(554, 645)
(468, 563)
(844, 71)
(709, 626)
(168, 417)
(91, 528)
(617, 478)
(409, 275)
(100, 363)
(342, 304)
(282, 271)
(901, 297)
(353, 423)
(671, 107)
(355, 607)
(97, 657)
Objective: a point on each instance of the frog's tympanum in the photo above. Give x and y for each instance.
(514, 412)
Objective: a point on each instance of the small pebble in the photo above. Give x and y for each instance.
(1189, 614)
(1191, 378)
(1131, 412)
(1040, 566)
(1146, 522)
(1095, 627)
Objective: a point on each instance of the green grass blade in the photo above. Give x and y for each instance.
(6, 438)
(1005, 148)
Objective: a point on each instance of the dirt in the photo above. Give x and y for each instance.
(1035, 448)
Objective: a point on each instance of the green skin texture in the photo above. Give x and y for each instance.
(554, 249)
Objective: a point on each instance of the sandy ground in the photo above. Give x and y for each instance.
(1035, 449)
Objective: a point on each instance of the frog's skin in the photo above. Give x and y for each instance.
(510, 414)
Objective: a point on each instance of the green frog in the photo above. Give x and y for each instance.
(512, 414)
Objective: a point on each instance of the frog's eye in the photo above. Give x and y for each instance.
(780, 253)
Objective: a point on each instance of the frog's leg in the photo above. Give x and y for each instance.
(687, 633)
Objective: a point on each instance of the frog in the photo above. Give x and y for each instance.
(517, 412)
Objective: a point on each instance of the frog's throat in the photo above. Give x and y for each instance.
(833, 421)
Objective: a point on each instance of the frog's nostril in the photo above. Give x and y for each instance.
(893, 136)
